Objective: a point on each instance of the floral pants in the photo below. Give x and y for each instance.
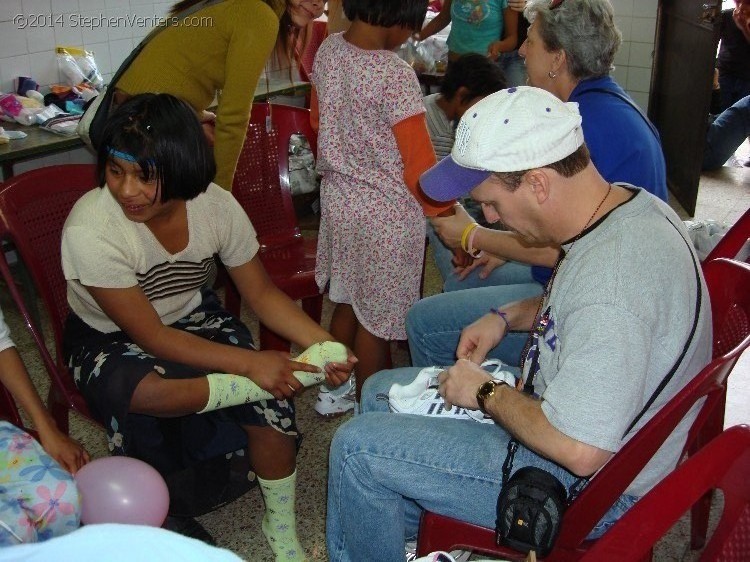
(38, 498)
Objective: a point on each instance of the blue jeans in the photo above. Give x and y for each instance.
(733, 88)
(385, 468)
(434, 324)
(728, 131)
(514, 68)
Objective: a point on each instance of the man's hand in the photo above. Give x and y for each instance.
(459, 384)
(487, 263)
(479, 337)
(450, 229)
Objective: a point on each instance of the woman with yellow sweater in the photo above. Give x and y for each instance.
(219, 52)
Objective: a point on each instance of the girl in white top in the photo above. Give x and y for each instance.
(145, 334)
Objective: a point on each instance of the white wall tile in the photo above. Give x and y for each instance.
(118, 50)
(10, 69)
(643, 30)
(622, 56)
(119, 24)
(9, 9)
(144, 19)
(641, 98)
(44, 69)
(91, 6)
(620, 74)
(67, 35)
(639, 79)
(41, 40)
(12, 40)
(641, 55)
(101, 56)
(622, 7)
(646, 8)
(93, 27)
(114, 4)
(64, 6)
(624, 24)
(36, 7)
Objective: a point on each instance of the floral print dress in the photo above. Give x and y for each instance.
(372, 230)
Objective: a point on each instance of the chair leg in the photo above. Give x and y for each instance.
(700, 511)
(313, 307)
(271, 340)
(59, 409)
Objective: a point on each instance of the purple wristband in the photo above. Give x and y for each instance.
(503, 315)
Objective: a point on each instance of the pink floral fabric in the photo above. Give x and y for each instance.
(372, 230)
(38, 499)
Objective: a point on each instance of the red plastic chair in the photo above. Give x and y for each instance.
(723, 464)
(261, 185)
(733, 241)
(33, 209)
(727, 282)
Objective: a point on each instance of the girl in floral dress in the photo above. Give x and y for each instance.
(373, 144)
(38, 496)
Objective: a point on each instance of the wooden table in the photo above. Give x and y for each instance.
(43, 143)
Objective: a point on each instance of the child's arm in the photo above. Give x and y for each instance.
(416, 150)
(15, 378)
(509, 34)
(438, 23)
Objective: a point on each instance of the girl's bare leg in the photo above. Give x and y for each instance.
(374, 355)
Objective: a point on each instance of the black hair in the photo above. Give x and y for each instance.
(568, 167)
(475, 72)
(164, 136)
(388, 13)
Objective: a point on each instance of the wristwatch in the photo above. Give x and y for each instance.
(487, 390)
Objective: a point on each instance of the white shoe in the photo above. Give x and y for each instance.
(421, 396)
(331, 403)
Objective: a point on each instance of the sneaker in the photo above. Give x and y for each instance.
(332, 403)
(421, 396)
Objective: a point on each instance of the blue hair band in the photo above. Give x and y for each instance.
(122, 155)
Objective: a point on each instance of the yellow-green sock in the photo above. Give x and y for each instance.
(279, 522)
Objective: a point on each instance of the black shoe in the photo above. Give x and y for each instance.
(188, 527)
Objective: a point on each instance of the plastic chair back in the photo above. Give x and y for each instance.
(258, 189)
(33, 209)
(722, 464)
(733, 240)
(727, 282)
(261, 186)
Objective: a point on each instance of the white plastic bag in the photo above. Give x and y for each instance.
(705, 235)
(79, 67)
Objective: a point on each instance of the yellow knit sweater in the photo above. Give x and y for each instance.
(224, 55)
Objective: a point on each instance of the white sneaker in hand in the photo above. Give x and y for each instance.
(421, 396)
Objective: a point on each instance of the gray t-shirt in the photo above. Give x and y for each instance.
(439, 127)
(620, 311)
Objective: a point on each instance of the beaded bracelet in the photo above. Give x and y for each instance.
(474, 253)
(465, 235)
(503, 315)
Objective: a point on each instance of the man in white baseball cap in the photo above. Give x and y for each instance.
(626, 297)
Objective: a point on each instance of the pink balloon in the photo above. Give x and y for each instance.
(122, 490)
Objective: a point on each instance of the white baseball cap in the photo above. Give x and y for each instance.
(511, 130)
